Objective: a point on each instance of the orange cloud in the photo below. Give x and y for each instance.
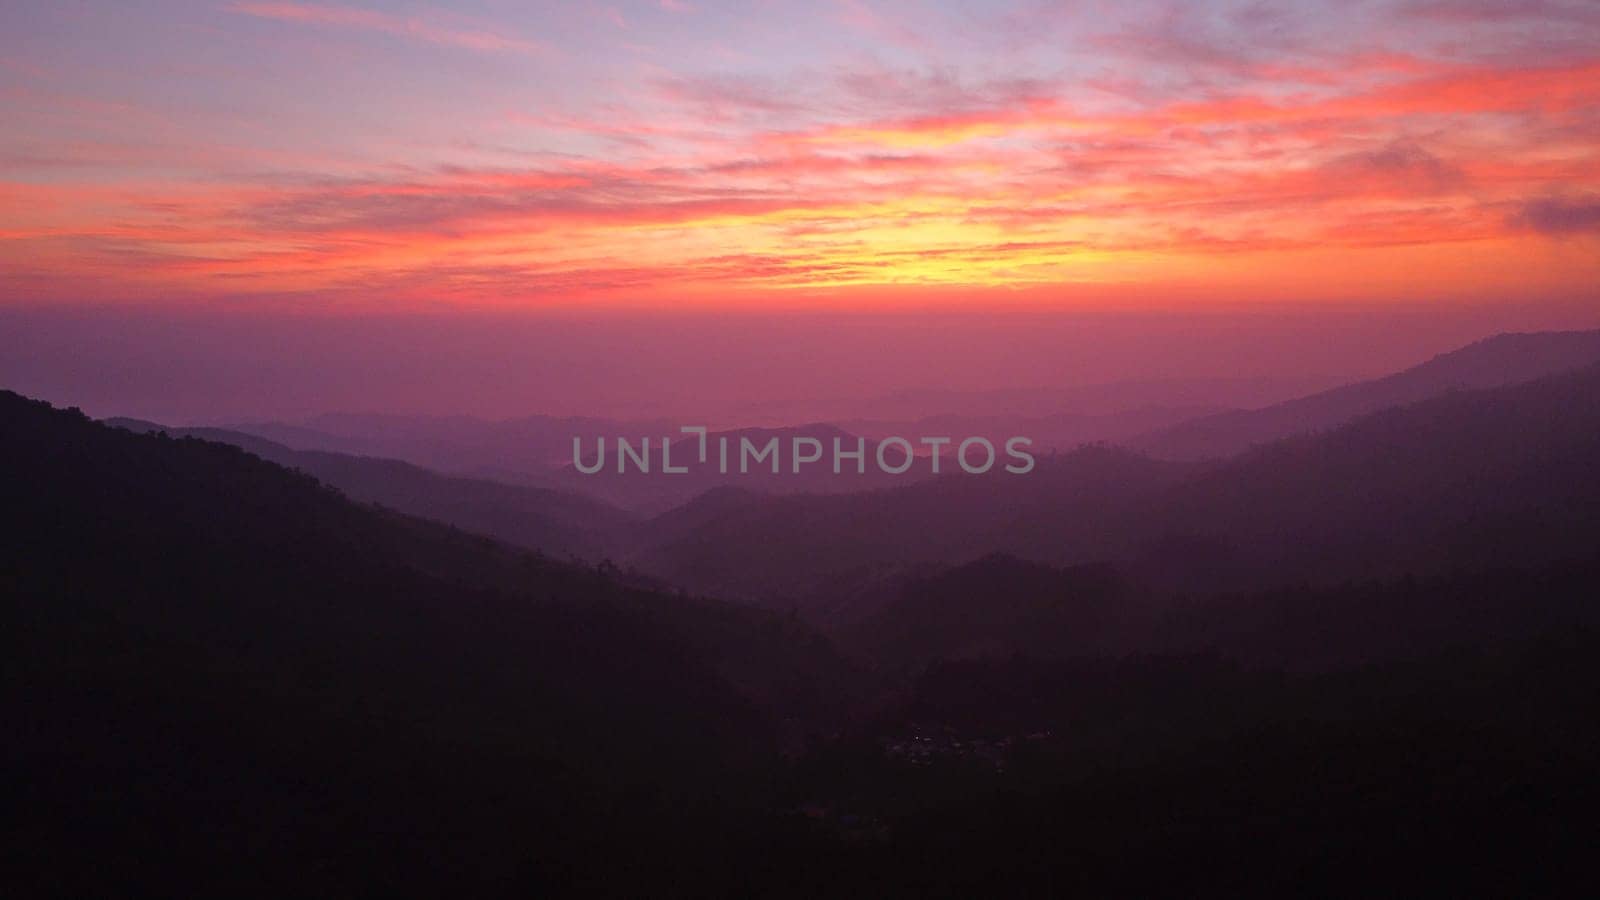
(1272, 171)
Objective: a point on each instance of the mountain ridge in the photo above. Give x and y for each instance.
(1495, 361)
(556, 522)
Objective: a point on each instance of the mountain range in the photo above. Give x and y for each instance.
(1504, 473)
(558, 523)
(1342, 655)
(1497, 361)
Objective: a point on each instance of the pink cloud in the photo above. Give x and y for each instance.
(369, 20)
(863, 18)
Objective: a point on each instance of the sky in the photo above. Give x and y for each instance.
(517, 154)
(838, 157)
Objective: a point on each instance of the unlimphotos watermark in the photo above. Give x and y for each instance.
(742, 454)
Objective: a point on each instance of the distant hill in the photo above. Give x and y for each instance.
(558, 523)
(536, 452)
(819, 552)
(523, 449)
(1506, 476)
(1109, 399)
(1493, 362)
(1055, 431)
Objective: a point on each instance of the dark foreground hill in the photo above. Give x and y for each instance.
(223, 676)
(1000, 607)
(554, 522)
(996, 607)
(1466, 774)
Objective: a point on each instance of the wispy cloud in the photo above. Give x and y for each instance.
(1499, 11)
(857, 15)
(413, 28)
(1164, 140)
(1561, 215)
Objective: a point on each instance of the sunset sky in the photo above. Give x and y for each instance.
(524, 155)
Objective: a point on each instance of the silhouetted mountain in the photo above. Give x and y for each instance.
(1189, 776)
(536, 452)
(1000, 607)
(1493, 362)
(558, 523)
(1500, 477)
(700, 512)
(1303, 628)
(525, 450)
(818, 552)
(225, 678)
(1104, 399)
(1192, 775)
(997, 606)
(1056, 431)
(224, 673)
